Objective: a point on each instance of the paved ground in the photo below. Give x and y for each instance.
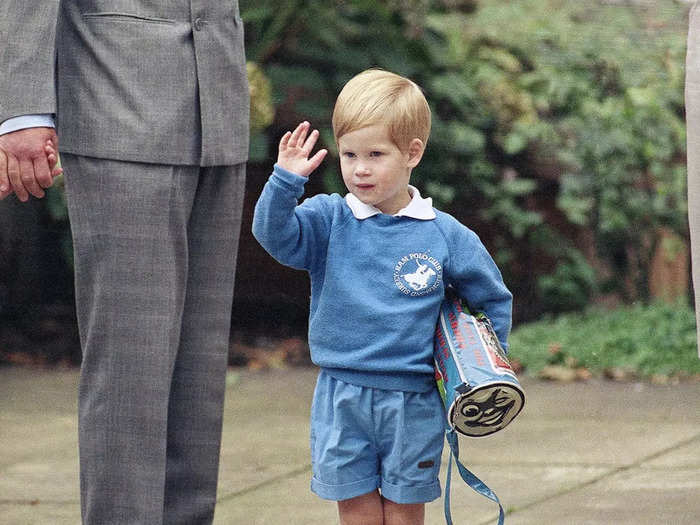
(585, 453)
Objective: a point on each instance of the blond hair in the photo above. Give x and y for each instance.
(376, 96)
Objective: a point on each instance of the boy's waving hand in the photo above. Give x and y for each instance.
(295, 148)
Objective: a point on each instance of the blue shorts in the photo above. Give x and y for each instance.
(363, 439)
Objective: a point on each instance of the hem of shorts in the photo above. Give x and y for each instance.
(404, 382)
(411, 494)
(346, 490)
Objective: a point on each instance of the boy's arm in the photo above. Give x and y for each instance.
(479, 282)
(294, 235)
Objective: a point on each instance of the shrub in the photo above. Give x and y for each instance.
(647, 340)
(560, 136)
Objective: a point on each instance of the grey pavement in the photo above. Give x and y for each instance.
(593, 453)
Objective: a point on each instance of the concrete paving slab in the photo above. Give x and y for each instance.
(602, 400)
(584, 453)
(576, 440)
(686, 456)
(41, 480)
(40, 513)
(31, 390)
(24, 438)
(634, 497)
(39, 453)
(285, 500)
(38, 413)
(266, 428)
(517, 486)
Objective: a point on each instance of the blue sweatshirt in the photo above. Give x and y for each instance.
(377, 282)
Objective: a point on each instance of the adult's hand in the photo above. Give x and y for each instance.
(24, 166)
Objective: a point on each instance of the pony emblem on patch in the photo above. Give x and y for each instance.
(418, 274)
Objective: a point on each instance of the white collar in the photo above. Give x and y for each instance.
(418, 208)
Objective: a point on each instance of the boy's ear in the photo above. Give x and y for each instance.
(415, 152)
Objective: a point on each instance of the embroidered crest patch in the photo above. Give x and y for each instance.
(418, 274)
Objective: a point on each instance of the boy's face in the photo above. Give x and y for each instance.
(374, 169)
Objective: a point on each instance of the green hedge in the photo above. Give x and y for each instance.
(643, 340)
(556, 123)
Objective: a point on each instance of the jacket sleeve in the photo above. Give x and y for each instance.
(27, 58)
(295, 235)
(478, 281)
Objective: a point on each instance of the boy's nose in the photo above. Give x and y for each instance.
(361, 170)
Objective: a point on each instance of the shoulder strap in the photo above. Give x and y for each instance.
(469, 478)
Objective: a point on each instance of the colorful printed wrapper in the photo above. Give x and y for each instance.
(480, 391)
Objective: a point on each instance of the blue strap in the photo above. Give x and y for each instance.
(469, 478)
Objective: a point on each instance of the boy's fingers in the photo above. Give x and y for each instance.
(50, 150)
(316, 160)
(284, 142)
(302, 135)
(293, 137)
(299, 135)
(310, 142)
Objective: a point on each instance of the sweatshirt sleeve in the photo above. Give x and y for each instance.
(295, 235)
(478, 281)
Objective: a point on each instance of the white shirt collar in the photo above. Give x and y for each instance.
(418, 208)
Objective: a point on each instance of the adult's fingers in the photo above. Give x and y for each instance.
(23, 148)
(13, 172)
(28, 177)
(42, 172)
(5, 188)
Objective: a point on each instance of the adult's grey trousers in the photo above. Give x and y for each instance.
(692, 110)
(155, 259)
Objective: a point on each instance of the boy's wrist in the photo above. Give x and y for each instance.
(288, 181)
(288, 175)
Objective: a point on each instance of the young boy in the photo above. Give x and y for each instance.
(379, 260)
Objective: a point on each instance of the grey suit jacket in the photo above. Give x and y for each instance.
(159, 81)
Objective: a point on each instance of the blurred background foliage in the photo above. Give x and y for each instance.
(558, 132)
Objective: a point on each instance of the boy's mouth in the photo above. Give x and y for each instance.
(364, 186)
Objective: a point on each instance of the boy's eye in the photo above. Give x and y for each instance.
(375, 154)
(349, 154)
